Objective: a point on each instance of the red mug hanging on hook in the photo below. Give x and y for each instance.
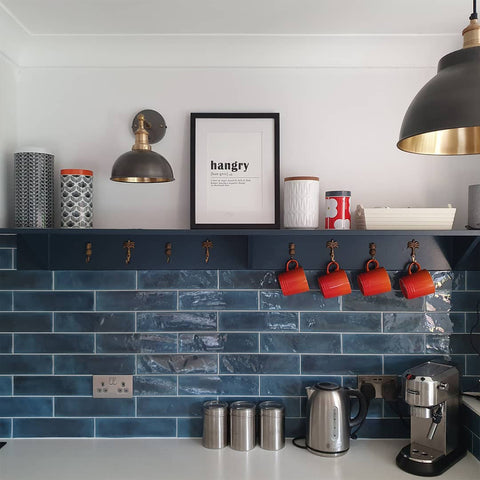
(335, 283)
(293, 280)
(374, 280)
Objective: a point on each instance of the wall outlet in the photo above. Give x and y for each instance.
(377, 381)
(112, 386)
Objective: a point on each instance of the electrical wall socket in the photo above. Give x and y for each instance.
(377, 381)
(112, 386)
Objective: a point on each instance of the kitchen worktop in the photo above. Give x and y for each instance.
(185, 459)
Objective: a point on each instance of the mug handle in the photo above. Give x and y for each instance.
(369, 263)
(289, 263)
(335, 264)
(416, 264)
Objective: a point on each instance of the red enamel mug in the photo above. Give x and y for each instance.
(294, 280)
(335, 283)
(417, 284)
(374, 280)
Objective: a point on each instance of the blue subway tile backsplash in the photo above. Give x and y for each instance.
(188, 336)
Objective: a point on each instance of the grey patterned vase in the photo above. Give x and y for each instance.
(34, 189)
(76, 205)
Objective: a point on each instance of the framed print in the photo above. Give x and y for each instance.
(234, 174)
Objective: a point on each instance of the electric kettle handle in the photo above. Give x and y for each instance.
(362, 412)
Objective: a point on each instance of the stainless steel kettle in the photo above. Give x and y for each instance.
(328, 418)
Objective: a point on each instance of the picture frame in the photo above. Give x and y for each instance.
(235, 170)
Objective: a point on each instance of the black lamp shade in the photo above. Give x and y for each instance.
(141, 166)
(444, 117)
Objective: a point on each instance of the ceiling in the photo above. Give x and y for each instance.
(157, 17)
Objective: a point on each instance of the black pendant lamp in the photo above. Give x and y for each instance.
(444, 117)
(141, 164)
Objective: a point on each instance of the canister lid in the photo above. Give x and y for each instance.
(76, 171)
(241, 408)
(338, 193)
(271, 409)
(215, 407)
(288, 179)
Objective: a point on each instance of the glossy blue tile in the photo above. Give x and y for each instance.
(469, 384)
(138, 300)
(94, 407)
(52, 385)
(5, 343)
(95, 280)
(470, 419)
(171, 406)
(417, 322)
(258, 321)
(292, 385)
(52, 427)
(340, 322)
(300, 343)
(25, 322)
(341, 364)
(454, 343)
(218, 385)
(25, 280)
(397, 364)
(275, 300)
(393, 301)
(177, 279)
(51, 301)
(144, 385)
(25, 364)
(190, 427)
(5, 301)
(136, 343)
(458, 321)
(473, 280)
(472, 322)
(25, 407)
(5, 428)
(295, 427)
(218, 300)
(473, 365)
(218, 342)
(250, 279)
(94, 322)
(8, 240)
(378, 343)
(53, 343)
(455, 302)
(448, 281)
(6, 258)
(177, 364)
(384, 428)
(136, 427)
(5, 386)
(259, 364)
(176, 321)
(94, 364)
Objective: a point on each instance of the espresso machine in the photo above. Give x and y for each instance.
(432, 391)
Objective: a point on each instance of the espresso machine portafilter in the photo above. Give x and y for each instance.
(432, 391)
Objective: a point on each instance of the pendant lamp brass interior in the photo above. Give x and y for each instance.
(444, 117)
(141, 164)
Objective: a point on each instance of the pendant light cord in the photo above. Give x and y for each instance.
(474, 14)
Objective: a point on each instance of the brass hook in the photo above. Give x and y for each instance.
(373, 250)
(207, 245)
(291, 250)
(128, 245)
(332, 244)
(168, 251)
(413, 245)
(88, 252)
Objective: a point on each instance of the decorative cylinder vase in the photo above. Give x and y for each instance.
(301, 202)
(76, 192)
(34, 188)
(338, 216)
(474, 207)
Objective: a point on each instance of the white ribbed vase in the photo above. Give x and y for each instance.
(301, 202)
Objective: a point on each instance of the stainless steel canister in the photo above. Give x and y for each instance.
(242, 426)
(215, 416)
(272, 425)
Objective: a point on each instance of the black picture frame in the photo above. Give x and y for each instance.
(194, 184)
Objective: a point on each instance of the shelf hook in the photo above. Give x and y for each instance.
(413, 245)
(129, 245)
(168, 251)
(373, 250)
(88, 252)
(332, 245)
(291, 250)
(207, 245)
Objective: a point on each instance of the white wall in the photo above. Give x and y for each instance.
(8, 140)
(340, 124)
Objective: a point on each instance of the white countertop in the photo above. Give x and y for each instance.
(144, 459)
(473, 403)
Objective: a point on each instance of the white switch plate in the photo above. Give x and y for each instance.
(112, 386)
